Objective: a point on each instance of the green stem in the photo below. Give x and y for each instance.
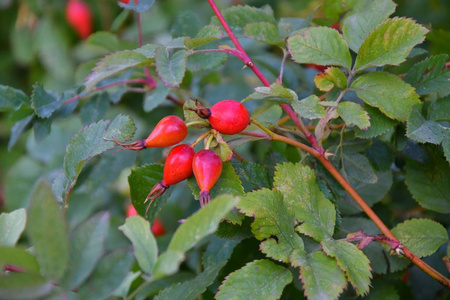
(198, 140)
(209, 141)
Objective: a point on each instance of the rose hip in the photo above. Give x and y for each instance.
(207, 167)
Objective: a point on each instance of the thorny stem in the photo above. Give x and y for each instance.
(248, 62)
(360, 201)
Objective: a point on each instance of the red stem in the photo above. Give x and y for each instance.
(248, 62)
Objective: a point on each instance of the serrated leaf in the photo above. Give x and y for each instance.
(228, 183)
(439, 110)
(44, 103)
(390, 43)
(321, 277)
(424, 131)
(11, 226)
(390, 94)
(379, 123)
(330, 78)
(141, 181)
(265, 32)
(353, 261)
(260, 279)
(255, 174)
(430, 76)
(138, 6)
(109, 41)
(422, 236)
(274, 93)
(272, 218)
(358, 168)
(148, 50)
(137, 230)
(87, 245)
(171, 69)
(107, 276)
(373, 193)
(309, 108)
(191, 289)
(154, 98)
(429, 182)
(205, 35)
(113, 64)
(363, 19)
(95, 109)
(204, 61)
(240, 15)
(305, 201)
(320, 46)
(202, 223)
(89, 142)
(11, 97)
(46, 229)
(353, 114)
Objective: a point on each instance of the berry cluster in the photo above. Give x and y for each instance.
(226, 117)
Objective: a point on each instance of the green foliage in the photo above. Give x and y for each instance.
(282, 222)
(321, 46)
(261, 279)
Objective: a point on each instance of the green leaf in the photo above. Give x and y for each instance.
(430, 76)
(202, 223)
(168, 263)
(304, 199)
(155, 97)
(141, 181)
(320, 46)
(204, 61)
(424, 131)
(260, 279)
(353, 261)
(309, 108)
(274, 93)
(137, 230)
(87, 245)
(330, 78)
(24, 286)
(358, 168)
(109, 41)
(148, 50)
(272, 219)
(107, 276)
(390, 43)
(439, 110)
(228, 183)
(138, 6)
(265, 32)
(115, 63)
(390, 94)
(446, 147)
(240, 15)
(11, 226)
(171, 69)
(10, 97)
(428, 183)
(221, 147)
(379, 124)
(354, 114)
(18, 130)
(219, 251)
(252, 173)
(193, 288)
(89, 142)
(363, 19)
(205, 35)
(422, 236)
(20, 258)
(46, 229)
(321, 277)
(95, 109)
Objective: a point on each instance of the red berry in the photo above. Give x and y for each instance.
(178, 167)
(78, 15)
(158, 228)
(207, 167)
(335, 26)
(169, 131)
(229, 117)
(128, 1)
(131, 211)
(317, 67)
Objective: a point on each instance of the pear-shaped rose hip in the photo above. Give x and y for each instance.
(78, 15)
(227, 116)
(207, 167)
(169, 131)
(178, 167)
